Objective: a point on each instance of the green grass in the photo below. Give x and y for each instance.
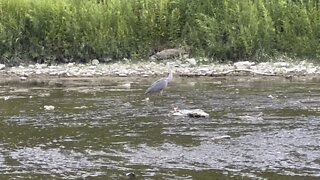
(49, 30)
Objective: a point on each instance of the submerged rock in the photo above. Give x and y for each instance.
(194, 113)
(81, 107)
(6, 98)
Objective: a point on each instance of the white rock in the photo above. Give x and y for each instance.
(194, 113)
(271, 97)
(281, 64)
(23, 78)
(92, 67)
(243, 65)
(70, 64)
(53, 73)
(40, 66)
(81, 107)
(48, 108)
(122, 74)
(221, 137)
(95, 62)
(2, 66)
(312, 70)
(192, 61)
(126, 85)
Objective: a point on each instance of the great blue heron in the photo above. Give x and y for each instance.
(160, 84)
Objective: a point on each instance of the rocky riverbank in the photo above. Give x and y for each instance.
(188, 67)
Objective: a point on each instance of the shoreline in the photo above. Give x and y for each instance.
(188, 68)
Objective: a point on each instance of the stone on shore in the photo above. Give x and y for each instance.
(243, 65)
(95, 62)
(169, 53)
(2, 66)
(192, 61)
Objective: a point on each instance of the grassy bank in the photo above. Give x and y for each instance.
(49, 30)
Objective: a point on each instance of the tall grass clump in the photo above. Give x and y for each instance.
(248, 29)
(80, 30)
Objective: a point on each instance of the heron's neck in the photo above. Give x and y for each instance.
(170, 76)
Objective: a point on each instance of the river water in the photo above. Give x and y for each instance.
(259, 128)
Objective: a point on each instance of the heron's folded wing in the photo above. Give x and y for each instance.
(157, 86)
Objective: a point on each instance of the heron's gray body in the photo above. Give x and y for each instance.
(160, 84)
(157, 86)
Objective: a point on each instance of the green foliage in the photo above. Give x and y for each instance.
(48, 30)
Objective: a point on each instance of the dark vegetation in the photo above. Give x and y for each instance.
(80, 30)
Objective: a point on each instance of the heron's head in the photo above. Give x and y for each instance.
(170, 75)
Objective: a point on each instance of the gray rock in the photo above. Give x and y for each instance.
(153, 58)
(95, 62)
(107, 59)
(243, 65)
(169, 53)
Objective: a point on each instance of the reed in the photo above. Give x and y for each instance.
(80, 30)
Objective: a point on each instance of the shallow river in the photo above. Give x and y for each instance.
(259, 128)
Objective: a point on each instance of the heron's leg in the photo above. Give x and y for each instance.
(161, 92)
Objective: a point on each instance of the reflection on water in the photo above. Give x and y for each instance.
(258, 128)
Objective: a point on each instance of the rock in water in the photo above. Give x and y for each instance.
(131, 176)
(48, 108)
(193, 113)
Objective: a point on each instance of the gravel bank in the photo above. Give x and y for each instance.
(186, 68)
